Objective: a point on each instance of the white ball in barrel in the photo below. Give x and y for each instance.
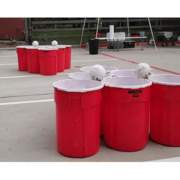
(35, 43)
(54, 43)
(143, 70)
(97, 72)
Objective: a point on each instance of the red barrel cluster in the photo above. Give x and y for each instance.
(124, 112)
(129, 109)
(46, 60)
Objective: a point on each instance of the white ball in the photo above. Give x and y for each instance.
(35, 43)
(143, 70)
(54, 43)
(97, 72)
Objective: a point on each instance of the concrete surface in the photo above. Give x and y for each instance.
(10, 44)
(27, 108)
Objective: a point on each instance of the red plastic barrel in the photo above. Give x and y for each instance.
(134, 35)
(68, 57)
(22, 58)
(78, 104)
(86, 76)
(165, 109)
(126, 103)
(61, 58)
(98, 35)
(48, 61)
(33, 60)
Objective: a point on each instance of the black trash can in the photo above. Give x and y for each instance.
(93, 46)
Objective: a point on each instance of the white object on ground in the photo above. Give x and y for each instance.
(111, 31)
(97, 72)
(143, 70)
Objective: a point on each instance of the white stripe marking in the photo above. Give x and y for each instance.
(95, 60)
(80, 53)
(175, 159)
(8, 64)
(9, 77)
(7, 56)
(71, 61)
(26, 102)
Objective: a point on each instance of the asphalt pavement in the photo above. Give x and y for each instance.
(27, 107)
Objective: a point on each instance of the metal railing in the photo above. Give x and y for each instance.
(45, 31)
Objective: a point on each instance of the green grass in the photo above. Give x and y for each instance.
(73, 40)
(86, 36)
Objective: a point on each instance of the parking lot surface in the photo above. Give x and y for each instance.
(27, 107)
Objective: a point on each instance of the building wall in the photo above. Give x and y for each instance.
(11, 28)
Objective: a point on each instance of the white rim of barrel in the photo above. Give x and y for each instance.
(80, 75)
(165, 79)
(23, 46)
(49, 48)
(74, 85)
(87, 69)
(131, 71)
(127, 82)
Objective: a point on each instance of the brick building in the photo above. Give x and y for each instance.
(12, 28)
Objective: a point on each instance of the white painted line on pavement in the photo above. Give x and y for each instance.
(80, 53)
(26, 102)
(7, 56)
(71, 61)
(11, 77)
(9, 64)
(174, 159)
(94, 60)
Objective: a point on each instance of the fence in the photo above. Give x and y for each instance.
(69, 30)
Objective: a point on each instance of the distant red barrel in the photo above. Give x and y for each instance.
(48, 60)
(67, 57)
(33, 60)
(61, 58)
(22, 58)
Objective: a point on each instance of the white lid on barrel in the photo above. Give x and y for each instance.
(125, 72)
(80, 75)
(110, 68)
(83, 75)
(23, 46)
(31, 47)
(74, 85)
(48, 48)
(165, 79)
(61, 46)
(126, 82)
(107, 68)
